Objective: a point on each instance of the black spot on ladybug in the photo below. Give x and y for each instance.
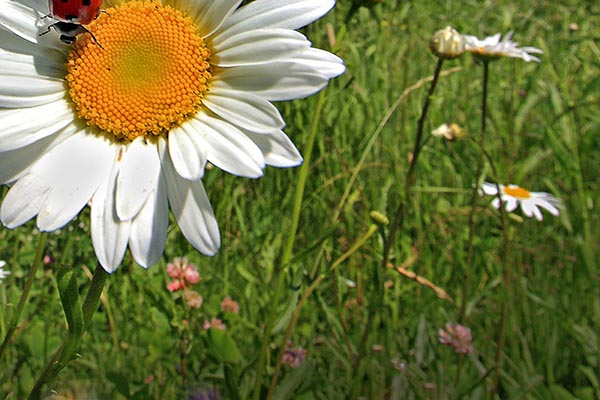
(64, 1)
(86, 2)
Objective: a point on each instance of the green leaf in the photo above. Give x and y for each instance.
(69, 297)
(292, 381)
(224, 346)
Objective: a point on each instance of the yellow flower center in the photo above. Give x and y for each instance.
(517, 192)
(146, 74)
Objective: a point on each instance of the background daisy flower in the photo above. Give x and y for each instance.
(494, 47)
(3, 273)
(132, 124)
(530, 202)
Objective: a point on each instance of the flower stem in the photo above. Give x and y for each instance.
(25, 294)
(286, 255)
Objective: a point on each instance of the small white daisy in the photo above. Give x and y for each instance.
(129, 121)
(3, 273)
(493, 47)
(530, 202)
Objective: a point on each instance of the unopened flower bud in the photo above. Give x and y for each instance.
(447, 43)
(379, 218)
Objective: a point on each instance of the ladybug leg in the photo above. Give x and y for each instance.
(46, 31)
(92, 35)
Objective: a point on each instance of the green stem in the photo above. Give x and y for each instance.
(289, 245)
(410, 174)
(70, 345)
(37, 261)
(475, 197)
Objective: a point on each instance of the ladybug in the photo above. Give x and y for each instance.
(72, 15)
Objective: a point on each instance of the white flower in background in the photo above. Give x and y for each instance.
(130, 121)
(530, 202)
(449, 132)
(3, 273)
(493, 47)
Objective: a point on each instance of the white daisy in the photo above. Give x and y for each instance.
(3, 273)
(132, 124)
(493, 47)
(530, 202)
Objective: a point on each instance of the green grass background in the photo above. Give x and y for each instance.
(543, 134)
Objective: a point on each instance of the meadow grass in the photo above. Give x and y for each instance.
(369, 332)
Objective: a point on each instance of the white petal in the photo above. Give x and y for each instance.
(15, 163)
(275, 81)
(109, 234)
(549, 204)
(18, 91)
(230, 149)
(188, 160)
(277, 148)
(192, 210)
(324, 62)
(243, 109)
(490, 188)
(287, 14)
(258, 46)
(20, 19)
(74, 171)
(58, 185)
(209, 14)
(511, 203)
(530, 209)
(138, 175)
(21, 127)
(148, 233)
(496, 203)
(23, 201)
(27, 59)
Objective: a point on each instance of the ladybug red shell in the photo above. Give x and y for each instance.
(71, 16)
(75, 11)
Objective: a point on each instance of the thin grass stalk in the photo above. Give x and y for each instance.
(37, 261)
(288, 247)
(410, 174)
(288, 333)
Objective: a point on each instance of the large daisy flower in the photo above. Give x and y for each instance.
(514, 196)
(128, 122)
(494, 47)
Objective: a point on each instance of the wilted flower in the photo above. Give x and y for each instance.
(214, 323)
(229, 305)
(293, 356)
(530, 202)
(492, 48)
(193, 298)
(447, 43)
(457, 336)
(3, 273)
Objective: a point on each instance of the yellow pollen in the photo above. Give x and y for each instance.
(517, 192)
(146, 74)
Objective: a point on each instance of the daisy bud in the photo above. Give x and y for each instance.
(447, 43)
